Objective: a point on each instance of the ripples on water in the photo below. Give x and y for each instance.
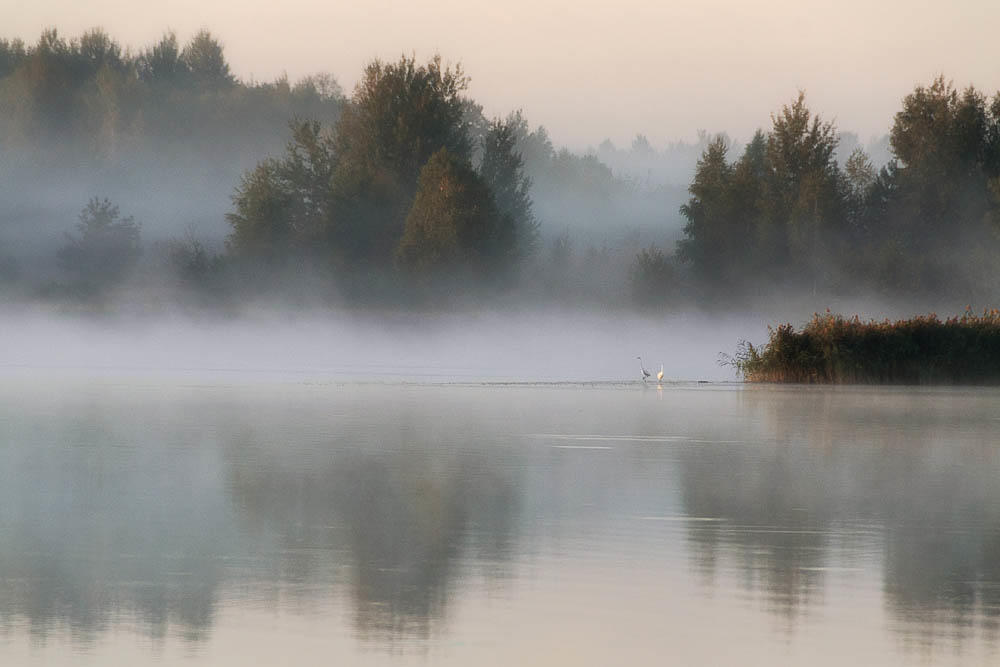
(559, 524)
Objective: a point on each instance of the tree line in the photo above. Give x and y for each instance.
(785, 212)
(406, 185)
(87, 98)
(404, 181)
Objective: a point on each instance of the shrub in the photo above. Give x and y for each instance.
(834, 349)
(652, 277)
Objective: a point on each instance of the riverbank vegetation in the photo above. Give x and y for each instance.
(832, 349)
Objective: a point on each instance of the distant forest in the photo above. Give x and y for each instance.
(157, 177)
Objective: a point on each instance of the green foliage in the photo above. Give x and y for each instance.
(454, 224)
(104, 248)
(923, 350)
(12, 54)
(161, 63)
(711, 219)
(502, 168)
(801, 191)
(86, 100)
(777, 211)
(400, 115)
(194, 269)
(99, 50)
(343, 193)
(191, 260)
(786, 211)
(391, 184)
(205, 62)
(534, 146)
(859, 172)
(652, 278)
(283, 206)
(262, 225)
(930, 214)
(947, 147)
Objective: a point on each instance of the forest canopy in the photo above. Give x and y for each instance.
(244, 188)
(785, 211)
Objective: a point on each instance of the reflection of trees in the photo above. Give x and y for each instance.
(93, 534)
(774, 531)
(404, 525)
(942, 558)
(116, 515)
(403, 520)
(392, 508)
(827, 466)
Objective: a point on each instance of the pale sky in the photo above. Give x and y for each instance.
(589, 70)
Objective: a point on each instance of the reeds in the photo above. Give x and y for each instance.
(833, 349)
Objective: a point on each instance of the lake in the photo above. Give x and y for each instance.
(250, 519)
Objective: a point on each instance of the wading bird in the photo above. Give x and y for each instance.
(645, 373)
(659, 376)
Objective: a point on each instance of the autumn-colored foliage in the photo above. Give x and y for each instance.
(834, 349)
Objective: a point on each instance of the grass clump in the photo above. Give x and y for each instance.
(833, 349)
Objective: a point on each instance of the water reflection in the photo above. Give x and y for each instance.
(838, 481)
(94, 536)
(402, 523)
(121, 512)
(772, 528)
(392, 518)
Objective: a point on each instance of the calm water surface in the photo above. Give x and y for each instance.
(232, 522)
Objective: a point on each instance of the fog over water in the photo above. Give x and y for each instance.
(469, 346)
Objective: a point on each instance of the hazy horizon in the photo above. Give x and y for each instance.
(587, 71)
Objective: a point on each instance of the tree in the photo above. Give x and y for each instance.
(50, 80)
(162, 63)
(709, 214)
(535, 147)
(192, 266)
(859, 179)
(283, 207)
(261, 223)
(946, 144)
(205, 61)
(502, 168)
(860, 172)
(99, 50)
(322, 86)
(454, 223)
(400, 115)
(652, 277)
(104, 248)
(779, 208)
(347, 195)
(748, 233)
(12, 54)
(803, 188)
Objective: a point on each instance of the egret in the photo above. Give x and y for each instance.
(645, 373)
(659, 376)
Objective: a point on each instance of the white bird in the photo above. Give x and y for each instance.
(659, 376)
(645, 373)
